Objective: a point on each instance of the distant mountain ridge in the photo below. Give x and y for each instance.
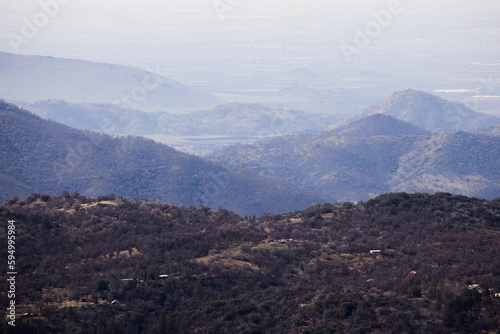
(234, 121)
(255, 120)
(32, 78)
(43, 156)
(430, 112)
(375, 155)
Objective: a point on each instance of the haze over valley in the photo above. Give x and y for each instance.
(246, 50)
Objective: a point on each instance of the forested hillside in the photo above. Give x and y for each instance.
(395, 264)
(375, 155)
(43, 156)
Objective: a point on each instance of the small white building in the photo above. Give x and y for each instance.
(375, 251)
(476, 287)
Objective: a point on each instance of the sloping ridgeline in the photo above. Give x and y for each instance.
(43, 156)
(115, 265)
(375, 155)
(32, 78)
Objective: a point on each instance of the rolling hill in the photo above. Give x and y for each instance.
(458, 162)
(195, 132)
(375, 155)
(44, 156)
(32, 78)
(233, 119)
(430, 112)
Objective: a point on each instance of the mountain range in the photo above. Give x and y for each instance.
(412, 141)
(44, 156)
(32, 78)
(195, 132)
(234, 119)
(375, 155)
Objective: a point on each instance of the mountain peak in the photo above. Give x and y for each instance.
(430, 112)
(381, 125)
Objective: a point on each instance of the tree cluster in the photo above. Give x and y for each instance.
(118, 265)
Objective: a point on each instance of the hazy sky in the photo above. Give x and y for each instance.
(188, 29)
(196, 36)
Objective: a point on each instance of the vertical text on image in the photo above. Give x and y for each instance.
(11, 273)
